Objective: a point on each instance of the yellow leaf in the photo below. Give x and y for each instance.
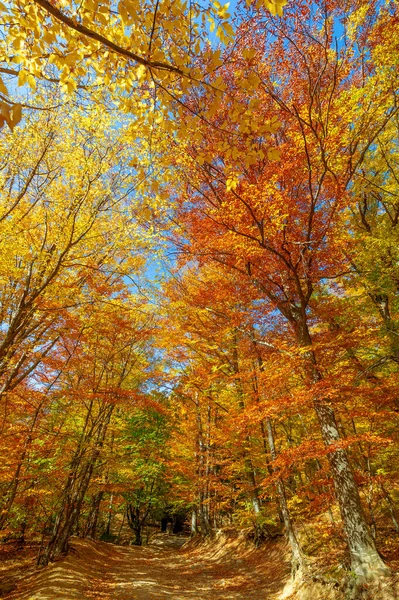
(228, 29)
(3, 88)
(231, 184)
(49, 36)
(146, 213)
(31, 81)
(10, 114)
(273, 154)
(71, 85)
(253, 81)
(16, 114)
(141, 72)
(249, 53)
(22, 77)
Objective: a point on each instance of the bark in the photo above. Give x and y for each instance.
(92, 521)
(297, 562)
(109, 518)
(250, 473)
(68, 515)
(194, 528)
(266, 449)
(365, 560)
(135, 522)
(249, 469)
(9, 497)
(137, 517)
(120, 529)
(202, 513)
(78, 482)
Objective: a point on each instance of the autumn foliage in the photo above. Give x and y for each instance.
(199, 276)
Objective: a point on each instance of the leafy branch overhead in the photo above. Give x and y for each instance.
(147, 49)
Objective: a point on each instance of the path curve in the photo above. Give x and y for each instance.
(96, 570)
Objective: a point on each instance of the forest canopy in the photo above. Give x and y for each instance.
(199, 268)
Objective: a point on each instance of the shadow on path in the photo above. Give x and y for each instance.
(159, 571)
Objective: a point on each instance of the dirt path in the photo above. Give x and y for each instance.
(160, 571)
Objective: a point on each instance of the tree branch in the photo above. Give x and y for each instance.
(55, 12)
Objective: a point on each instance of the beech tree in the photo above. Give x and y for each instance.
(219, 389)
(68, 239)
(199, 275)
(46, 270)
(272, 222)
(145, 53)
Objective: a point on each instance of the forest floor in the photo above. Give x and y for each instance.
(228, 568)
(98, 570)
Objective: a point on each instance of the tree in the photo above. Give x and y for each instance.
(146, 52)
(51, 276)
(275, 226)
(218, 390)
(104, 372)
(80, 181)
(146, 443)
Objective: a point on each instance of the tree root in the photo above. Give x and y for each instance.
(377, 588)
(349, 587)
(329, 581)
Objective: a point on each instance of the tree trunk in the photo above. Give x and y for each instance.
(365, 560)
(248, 466)
(194, 528)
(75, 489)
(297, 561)
(109, 518)
(68, 515)
(91, 526)
(202, 498)
(135, 523)
(138, 541)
